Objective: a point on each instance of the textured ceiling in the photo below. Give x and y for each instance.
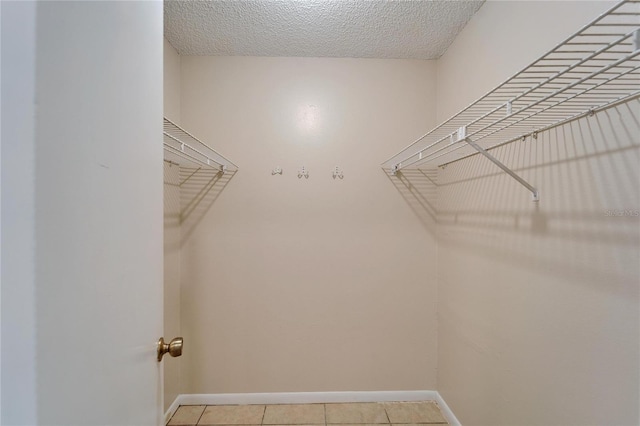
(415, 29)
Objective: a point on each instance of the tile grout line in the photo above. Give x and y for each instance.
(386, 413)
(170, 418)
(325, 414)
(264, 412)
(201, 414)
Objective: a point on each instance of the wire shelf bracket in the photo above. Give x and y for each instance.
(596, 68)
(535, 194)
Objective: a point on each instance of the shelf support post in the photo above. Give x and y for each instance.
(534, 192)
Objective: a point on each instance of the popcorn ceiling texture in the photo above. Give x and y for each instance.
(316, 28)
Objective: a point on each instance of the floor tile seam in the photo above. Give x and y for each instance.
(264, 412)
(201, 414)
(384, 407)
(325, 414)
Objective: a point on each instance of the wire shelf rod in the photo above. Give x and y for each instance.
(183, 154)
(420, 152)
(541, 129)
(517, 124)
(581, 61)
(545, 128)
(193, 149)
(170, 127)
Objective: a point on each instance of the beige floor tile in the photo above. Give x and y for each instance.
(356, 413)
(232, 415)
(297, 414)
(419, 424)
(186, 415)
(362, 424)
(414, 412)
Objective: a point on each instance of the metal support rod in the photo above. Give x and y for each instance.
(190, 176)
(504, 168)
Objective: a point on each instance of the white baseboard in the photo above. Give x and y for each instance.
(446, 411)
(172, 409)
(310, 398)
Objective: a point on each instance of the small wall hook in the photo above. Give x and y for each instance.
(337, 173)
(303, 172)
(276, 171)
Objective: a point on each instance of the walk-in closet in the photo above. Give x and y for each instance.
(372, 213)
(494, 259)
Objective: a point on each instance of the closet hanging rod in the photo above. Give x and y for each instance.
(506, 82)
(561, 84)
(496, 109)
(422, 158)
(183, 144)
(552, 126)
(559, 115)
(539, 130)
(189, 157)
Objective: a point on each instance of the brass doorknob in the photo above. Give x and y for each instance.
(174, 348)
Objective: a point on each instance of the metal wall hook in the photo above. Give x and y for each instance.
(303, 172)
(337, 173)
(276, 171)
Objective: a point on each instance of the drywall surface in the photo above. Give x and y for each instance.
(308, 284)
(171, 229)
(18, 218)
(98, 201)
(538, 303)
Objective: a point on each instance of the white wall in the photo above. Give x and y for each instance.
(18, 202)
(538, 303)
(172, 232)
(82, 201)
(308, 284)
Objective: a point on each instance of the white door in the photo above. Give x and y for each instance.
(82, 212)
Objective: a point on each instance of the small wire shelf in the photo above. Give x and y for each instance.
(183, 149)
(595, 68)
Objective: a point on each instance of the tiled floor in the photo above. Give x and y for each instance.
(352, 414)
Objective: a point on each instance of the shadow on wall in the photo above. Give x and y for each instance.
(587, 220)
(419, 189)
(587, 173)
(189, 194)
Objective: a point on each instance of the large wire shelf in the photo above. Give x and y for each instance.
(184, 149)
(595, 68)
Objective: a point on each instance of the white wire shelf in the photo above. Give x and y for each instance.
(184, 149)
(595, 68)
